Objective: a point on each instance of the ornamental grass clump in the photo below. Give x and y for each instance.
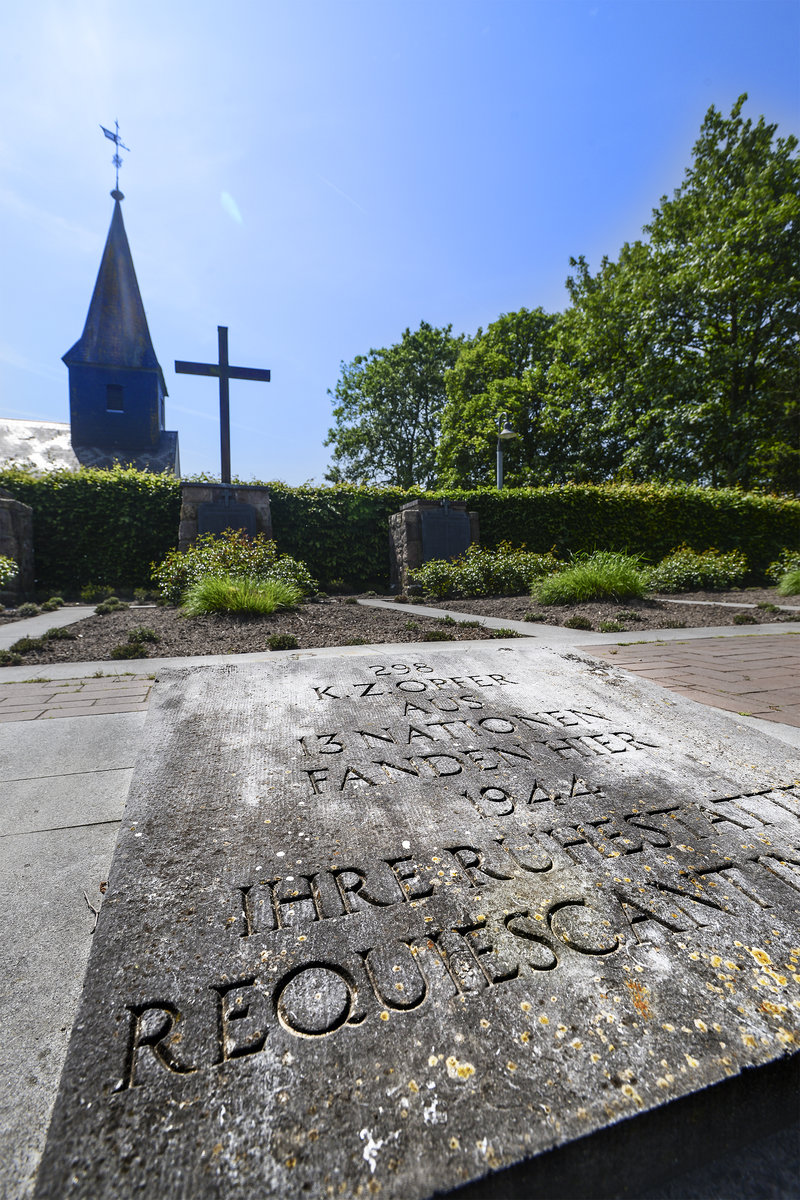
(687, 570)
(789, 584)
(603, 575)
(231, 554)
(241, 596)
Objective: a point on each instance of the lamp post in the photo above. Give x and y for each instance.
(504, 434)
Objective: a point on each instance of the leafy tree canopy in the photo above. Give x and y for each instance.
(387, 406)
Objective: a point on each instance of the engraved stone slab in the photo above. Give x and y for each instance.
(387, 924)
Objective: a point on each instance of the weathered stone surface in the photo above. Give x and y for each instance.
(386, 925)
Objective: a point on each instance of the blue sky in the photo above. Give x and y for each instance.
(320, 174)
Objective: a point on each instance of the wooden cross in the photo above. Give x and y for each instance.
(224, 372)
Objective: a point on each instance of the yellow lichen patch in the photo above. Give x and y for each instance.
(716, 961)
(639, 993)
(760, 956)
(701, 1025)
(669, 1028)
(768, 1007)
(454, 1143)
(543, 1020)
(661, 1082)
(692, 1062)
(511, 1066)
(413, 1086)
(525, 1036)
(748, 1039)
(484, 1023)
(458, 1070)
(525, 1006)
(786, 1038)
(583, 1114)
(384, 1016)
(631, 1093)
(432, 1061)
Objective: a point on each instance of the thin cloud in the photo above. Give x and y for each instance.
(345, 195)
(231, 207)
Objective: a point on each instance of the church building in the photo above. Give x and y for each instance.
(116, 386)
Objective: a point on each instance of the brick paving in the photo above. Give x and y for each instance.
(45, 700)
(753, 676)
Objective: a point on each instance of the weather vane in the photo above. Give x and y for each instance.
(116, 160)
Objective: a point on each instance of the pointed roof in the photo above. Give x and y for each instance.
(116, 333)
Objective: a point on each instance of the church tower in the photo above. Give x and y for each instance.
(116, 386)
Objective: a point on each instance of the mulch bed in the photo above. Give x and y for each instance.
(635, 615)
(331, 623)
(338, 621)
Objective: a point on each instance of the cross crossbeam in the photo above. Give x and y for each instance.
(223, 371)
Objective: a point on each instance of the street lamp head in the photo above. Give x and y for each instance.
(505, 431)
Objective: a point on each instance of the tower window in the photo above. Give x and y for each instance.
(114, 397)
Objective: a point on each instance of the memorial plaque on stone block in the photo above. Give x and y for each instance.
(445, 532)
(216, 517)
(387, 924)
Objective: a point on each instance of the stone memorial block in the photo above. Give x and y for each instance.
(213, 508)
(428, 529)
(387, 924)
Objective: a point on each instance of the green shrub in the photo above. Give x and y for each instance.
(51, 605)
(578, 622)
(60, 633)
(230, 554)
(504, 633)
(481, 572)
(611, 627)
(112, 604)
(530, 615)
(437, 635)
(790, 583)
(129, 650)
(8, 569)
(787, 560)
(604, 575)
(24, 645)
(8, 658)
(743, 618)
(767, 607)
(411, 625)
(686, 570)
(28, 610)
(283, 641)
(629, 614)
(240, 595)
(357, 641)
(94, 593)
(143, 633)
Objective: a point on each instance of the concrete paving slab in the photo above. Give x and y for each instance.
(89, 798)
(72, 747)
(44, 947)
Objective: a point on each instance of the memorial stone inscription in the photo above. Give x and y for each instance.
(387, 924)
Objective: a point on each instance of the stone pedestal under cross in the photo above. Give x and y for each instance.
(224, 372)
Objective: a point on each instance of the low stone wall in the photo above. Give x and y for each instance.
(195, 494)
(16, 541)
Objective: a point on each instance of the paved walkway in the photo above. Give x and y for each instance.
(752, 676)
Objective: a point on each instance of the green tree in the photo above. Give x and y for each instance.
(503, 370)
(683, 356)
(387, 407)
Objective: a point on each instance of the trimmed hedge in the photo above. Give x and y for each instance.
(93, 526)
(107, 527)
(342, 532)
